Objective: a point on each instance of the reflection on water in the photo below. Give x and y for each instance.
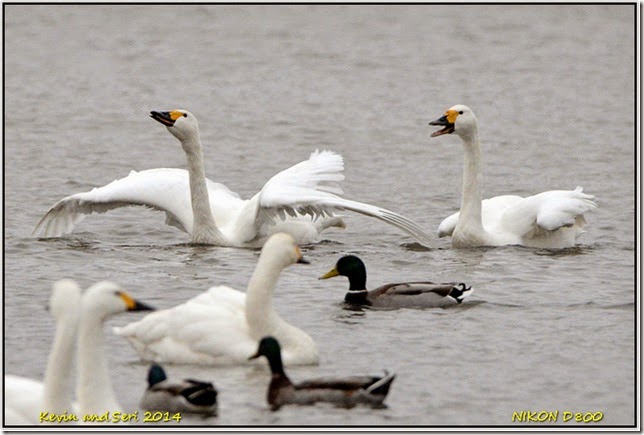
(269, 85)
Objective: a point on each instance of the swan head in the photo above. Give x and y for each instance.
(457, 119)
(106, 298)
(181, 123)
(65, 296)
(281, 249)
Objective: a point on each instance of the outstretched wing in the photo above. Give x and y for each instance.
(548, 211)
(312, 188)
(162, 189)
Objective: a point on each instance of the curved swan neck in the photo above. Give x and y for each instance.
(204, 229)
(95, 392)
(58, 386)
(260, 315)
(470, 213)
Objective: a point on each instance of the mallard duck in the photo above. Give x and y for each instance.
(346, 392)
(552, 219)
(188, 395)
(300, 200)
(398, 295)
(222, 325)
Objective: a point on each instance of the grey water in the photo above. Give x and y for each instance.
(553, 89)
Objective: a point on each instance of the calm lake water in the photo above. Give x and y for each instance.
(553, 89)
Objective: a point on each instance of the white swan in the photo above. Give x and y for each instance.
(211, 213)
(26, 398)
(222, 326)
(94, 389)
(551, 219)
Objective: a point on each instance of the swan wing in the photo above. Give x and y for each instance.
(491, 211)
(210, 328)
(312, 188)
(23, 399)
(162, 189)
(547, 211)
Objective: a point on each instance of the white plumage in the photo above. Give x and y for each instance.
(26, 398)
(300, 200)
(222, 326)
(552, 219)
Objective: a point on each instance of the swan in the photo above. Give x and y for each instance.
(300, 200)
(94, 389)
(188, 395)
(222, 326)
(399, 295)
(26, 398)
(552, 219)
(346, 392)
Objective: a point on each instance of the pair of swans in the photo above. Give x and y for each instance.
(78, 318)
(300, 200)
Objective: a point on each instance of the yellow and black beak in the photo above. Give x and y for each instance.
(300, 258)
(446, 121)
(134, 305)
(166, 118)
(330, 274)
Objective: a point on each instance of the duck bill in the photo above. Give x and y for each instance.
(442, 121)
(256, 355)
(164, 118)
(330, 274)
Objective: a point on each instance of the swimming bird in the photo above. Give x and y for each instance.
(300, 200)
(24, 398)
(346, 391)
(551, 219)
(188, 395)
(222, 326)
(399, 295)
(94, 389)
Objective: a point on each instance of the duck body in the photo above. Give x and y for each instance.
(415, 294)
(301, 200)
(551, 219)
(222, 325)
(345, 392)
(188, 395)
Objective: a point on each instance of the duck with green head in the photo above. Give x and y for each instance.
(345, 392)
(416, 294)
(187, 395)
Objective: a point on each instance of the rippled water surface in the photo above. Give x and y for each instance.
(553, 89)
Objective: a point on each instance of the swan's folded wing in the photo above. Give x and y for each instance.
(548, 211)
(208, 329)
(162, 189)
(312, 188)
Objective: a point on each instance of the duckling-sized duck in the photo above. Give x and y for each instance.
(397, 295)
(187, 395)
(346, 392)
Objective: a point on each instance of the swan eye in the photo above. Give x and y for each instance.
(460, 113)
(185, 115)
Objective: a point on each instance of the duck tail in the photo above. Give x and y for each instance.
(460, 291)
(381, 386)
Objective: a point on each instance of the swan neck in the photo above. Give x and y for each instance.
(58, 383)
(95, 392)
(472, 174)
(204, 229)
(261, 317)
